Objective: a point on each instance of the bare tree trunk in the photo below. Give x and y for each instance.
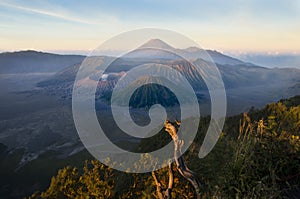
(172, 129)
(159, 190)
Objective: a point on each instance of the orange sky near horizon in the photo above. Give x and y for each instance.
(247, 26)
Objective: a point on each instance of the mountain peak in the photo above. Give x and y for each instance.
(156, 43)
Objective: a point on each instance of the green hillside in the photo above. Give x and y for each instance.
(257, 156)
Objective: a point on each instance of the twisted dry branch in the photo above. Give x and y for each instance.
(159, 190)
(172, 129)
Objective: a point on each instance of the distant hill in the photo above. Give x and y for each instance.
(216, 56)
(40, 62)
(194, 53)
(279, 61)
(35, 62)
(234, 76)
(246, 84)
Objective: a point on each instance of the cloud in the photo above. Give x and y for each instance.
(50, 13)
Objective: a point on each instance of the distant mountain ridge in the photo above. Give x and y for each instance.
(30, 61)
(274, 60)
(194, 53)
(247, 82)
(255, 85)
(36, 62)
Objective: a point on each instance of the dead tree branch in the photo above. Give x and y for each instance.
(172, 129)
(159, 190)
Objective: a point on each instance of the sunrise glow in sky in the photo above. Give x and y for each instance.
(68, 25)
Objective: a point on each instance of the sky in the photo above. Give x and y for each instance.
(235, 26)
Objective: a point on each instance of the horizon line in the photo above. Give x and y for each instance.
(86, 52)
